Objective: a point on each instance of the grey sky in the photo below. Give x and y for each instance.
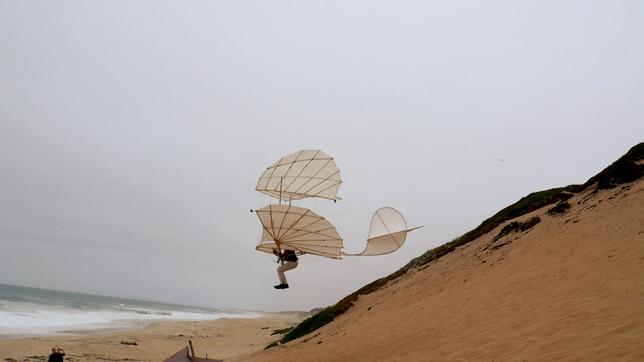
(132, 133)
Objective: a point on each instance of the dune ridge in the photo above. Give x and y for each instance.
(567, 287)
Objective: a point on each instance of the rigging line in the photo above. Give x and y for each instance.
(328, 233)
(302, 232)
(348, 226)
(349, 213)
(276, 194)
(319, 253)
(313, 245)
(296, 238)
(293, 234)
(314, 216)
(295, 230)
(335, 256)
(312, 231)
(295, 195)
(337, 244)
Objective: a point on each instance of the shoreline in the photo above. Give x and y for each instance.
(218, 338)
(137, 325)
(122, 325)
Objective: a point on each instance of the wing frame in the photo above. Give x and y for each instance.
(302, 174)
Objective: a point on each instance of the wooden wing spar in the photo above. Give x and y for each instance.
(313, 173)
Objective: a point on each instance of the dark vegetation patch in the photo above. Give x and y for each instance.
(625, 169)
(518, 226)
(558, 209)
(499, 246)
(621, 171)
(316, 321)
(281, 331)
(565, 195)
(274, 344)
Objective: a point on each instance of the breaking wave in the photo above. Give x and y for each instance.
(30, 311)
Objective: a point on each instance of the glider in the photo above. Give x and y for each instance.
(313, 173)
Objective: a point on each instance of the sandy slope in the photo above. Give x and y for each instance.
(221, 338)
(571, 288)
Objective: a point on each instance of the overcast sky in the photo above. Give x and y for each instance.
(132, 134)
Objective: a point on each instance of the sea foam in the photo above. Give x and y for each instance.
(30, 311)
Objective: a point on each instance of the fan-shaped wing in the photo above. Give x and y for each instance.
(286, 227)
(387, 233)
(306, 173)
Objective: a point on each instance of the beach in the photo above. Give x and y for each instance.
(221, 338)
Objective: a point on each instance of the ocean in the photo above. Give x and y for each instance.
(31, 311)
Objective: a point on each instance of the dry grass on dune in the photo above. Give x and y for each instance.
(568, 287)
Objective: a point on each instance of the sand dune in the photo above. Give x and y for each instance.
(569, 288)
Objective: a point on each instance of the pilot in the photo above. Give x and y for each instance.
(288, 261)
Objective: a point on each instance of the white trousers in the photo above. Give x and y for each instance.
(284, 267)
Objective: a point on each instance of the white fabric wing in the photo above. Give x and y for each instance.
(286, 227)
(306, 173)
(387, 233)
